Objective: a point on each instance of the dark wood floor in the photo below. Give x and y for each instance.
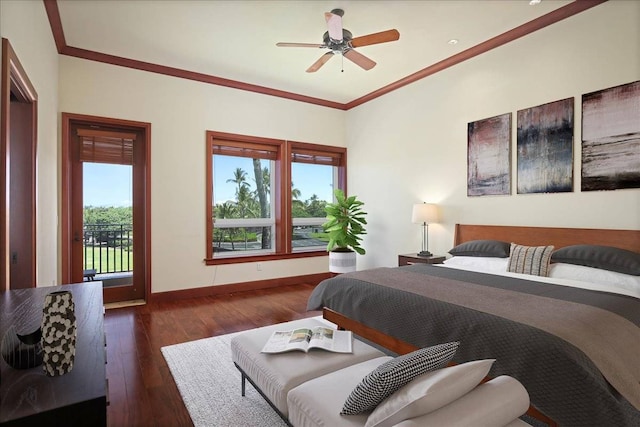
(141, 389)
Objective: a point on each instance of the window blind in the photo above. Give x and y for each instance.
(99, 146)
(239, 149)
(316, 157)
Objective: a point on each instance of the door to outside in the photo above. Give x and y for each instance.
(107, 216)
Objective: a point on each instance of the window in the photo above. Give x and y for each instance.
(243, 215)
(314, 175)
(266, 197)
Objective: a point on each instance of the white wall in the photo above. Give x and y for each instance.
(180, 111)
(406, 147)
(411, 145)
(25, 25)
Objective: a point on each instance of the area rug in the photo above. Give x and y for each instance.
(209, 384)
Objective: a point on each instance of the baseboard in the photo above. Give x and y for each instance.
(312, 279)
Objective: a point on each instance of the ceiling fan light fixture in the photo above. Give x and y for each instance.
(339, 40)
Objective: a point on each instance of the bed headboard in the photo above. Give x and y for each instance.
(558, 237)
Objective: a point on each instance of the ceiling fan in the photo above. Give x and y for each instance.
(340, 41)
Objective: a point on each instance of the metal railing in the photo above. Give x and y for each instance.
(108, 248)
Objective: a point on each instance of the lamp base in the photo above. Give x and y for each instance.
(425, 253)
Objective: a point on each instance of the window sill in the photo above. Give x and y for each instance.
(269, 257)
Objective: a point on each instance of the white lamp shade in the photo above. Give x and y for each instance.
(424, 213)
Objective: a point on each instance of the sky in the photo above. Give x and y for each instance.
(313, 179)
(106, 184)
(110, 185)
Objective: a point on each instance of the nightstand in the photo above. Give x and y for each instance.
(408, 259)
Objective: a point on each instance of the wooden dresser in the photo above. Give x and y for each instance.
(29, 397)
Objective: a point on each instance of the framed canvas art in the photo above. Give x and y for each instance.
(489, 156)
(611, 138)
(545, 148)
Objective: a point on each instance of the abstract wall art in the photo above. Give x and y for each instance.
(489, 156)
(611, 138)
(545, 148)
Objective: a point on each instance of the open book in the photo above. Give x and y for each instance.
(305, 339)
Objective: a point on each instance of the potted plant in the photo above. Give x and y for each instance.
(345, 225)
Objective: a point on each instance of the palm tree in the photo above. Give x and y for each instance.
(295, 193)
(245, 202)
(240, 179)
(261, 190)
(315, 206)
(266, 180)
(226, 210)
(243, 197)
(297, 206)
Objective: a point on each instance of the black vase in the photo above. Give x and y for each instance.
(21, 351)
(58, 333)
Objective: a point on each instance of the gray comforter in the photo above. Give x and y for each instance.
(566, 345)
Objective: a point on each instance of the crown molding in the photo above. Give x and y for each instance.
(550, 18)
(504, 38)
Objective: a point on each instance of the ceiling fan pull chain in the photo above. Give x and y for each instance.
(342, 63)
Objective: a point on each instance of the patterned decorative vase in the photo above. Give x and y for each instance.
(58, 333)
(21, 351)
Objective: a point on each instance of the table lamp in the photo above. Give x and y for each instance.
(424, 213)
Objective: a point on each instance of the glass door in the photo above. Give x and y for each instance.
(108, 211)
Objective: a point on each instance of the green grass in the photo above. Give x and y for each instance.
(113, 255)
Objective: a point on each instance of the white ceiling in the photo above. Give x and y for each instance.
(237, 39)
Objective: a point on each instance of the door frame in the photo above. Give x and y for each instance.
(14, 79)
(66, 186)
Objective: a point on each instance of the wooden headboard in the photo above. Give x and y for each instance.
(558, 237)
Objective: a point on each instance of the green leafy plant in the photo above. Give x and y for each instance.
(345, 223)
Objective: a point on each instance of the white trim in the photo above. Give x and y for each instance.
(243, 222)
(241, 253)
(302, 222)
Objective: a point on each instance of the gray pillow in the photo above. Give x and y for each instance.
(389, 377)
(483, 248)
(604, 257)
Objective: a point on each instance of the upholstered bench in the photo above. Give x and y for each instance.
(274, 375)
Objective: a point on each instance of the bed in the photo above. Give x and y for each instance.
(575, 348)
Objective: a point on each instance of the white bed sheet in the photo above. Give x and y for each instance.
(586, 277)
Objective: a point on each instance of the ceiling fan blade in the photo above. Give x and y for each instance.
(334, 25)
(320, 62)
(281, 44)
(381, 37)
(359, 59)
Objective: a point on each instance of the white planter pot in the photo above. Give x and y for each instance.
(342, 262)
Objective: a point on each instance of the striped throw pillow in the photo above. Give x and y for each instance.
(532, 260)
(383, 381)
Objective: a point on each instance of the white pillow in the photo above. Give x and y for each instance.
(498, 402)
(477, 263)
(595, 275)
(429, 392)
